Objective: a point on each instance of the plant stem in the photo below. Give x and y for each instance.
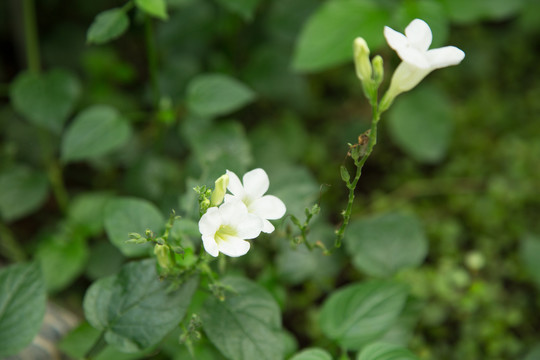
(359, 163)
(31, 38)
(98, 346)
(152, 60)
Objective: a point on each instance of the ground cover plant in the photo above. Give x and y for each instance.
(270, 179)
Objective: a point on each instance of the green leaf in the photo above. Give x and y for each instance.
(383, 351)
(530, 255)
(246, 324)
(327, 38)
(420, 123)
(533, 353)
(211, 95)
(463, 11)
(86, 211)
(22, 190)
(62, 256)
(157, 8)
(107, 25)
(22, 306)
(384, 244)
(136, 309)
(127, 215)
(312, 354)
(244, 8)
(96, 131)
(359, 314)
(45, 99)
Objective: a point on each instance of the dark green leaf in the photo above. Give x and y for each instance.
(157, 8)
(384, 244)
(359, 314)
(530, 255)
(22, 190)
(420, 123)
(63, 257)
(107, 25)
(312, 354)
(244, 8)
(246, 324)
(127, 215)
(211, 95)
(96, 131)
(86, 211)
(327, 38)
(46, 99)
(22, 306)
(383, 351)
(136, 309)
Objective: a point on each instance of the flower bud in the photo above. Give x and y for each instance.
(378, 70)
(164, 256)
(361, 59)
(219, 191)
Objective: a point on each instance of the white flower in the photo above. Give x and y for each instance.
(251, 193)
(418, 61)
(225, 229)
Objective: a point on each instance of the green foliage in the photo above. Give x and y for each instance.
(211, 95)
(131, 215)
(425, 136)
(530, 255)
(382, 351)
(244, 8)
(385, 244)
(326, 39)
(22, 306)
(246, 325)
(361, 313)
(97, 130)
(107, 26)
(46, 100)
(118, 304)
(157, 8)
(312, 354)
(24, 191)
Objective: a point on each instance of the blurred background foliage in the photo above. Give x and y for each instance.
(270, 83)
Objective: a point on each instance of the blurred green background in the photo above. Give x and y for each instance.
(459, 153)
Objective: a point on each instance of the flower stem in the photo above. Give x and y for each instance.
(359, 163)
(30, 35)
(152, 60)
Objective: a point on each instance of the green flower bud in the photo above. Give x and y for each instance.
(378, 70)
(164, 256)
(219, 191)
(361, 59)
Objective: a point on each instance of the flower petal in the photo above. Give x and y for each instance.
(267, 227)
(419, 34)
(445, 56)
(256, 183)
(249, 227)
(234, 246)
(232, 212)
(235, 185)
(210, 221)
(210, 245)
(414, 57)
(395, 40)
(268, 207)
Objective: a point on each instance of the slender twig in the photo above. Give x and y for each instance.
(30, 35)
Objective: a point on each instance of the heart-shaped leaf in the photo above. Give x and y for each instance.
(107, 25)
(45, 99)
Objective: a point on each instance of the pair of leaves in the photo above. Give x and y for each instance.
(246, 325)
(135, 309)
(22, 306)
(375, 351)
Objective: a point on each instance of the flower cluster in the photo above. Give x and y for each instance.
(417, 59)
(243, 215)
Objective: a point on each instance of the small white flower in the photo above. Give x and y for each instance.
(251, 193)
(418, 61)
(225, 229)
